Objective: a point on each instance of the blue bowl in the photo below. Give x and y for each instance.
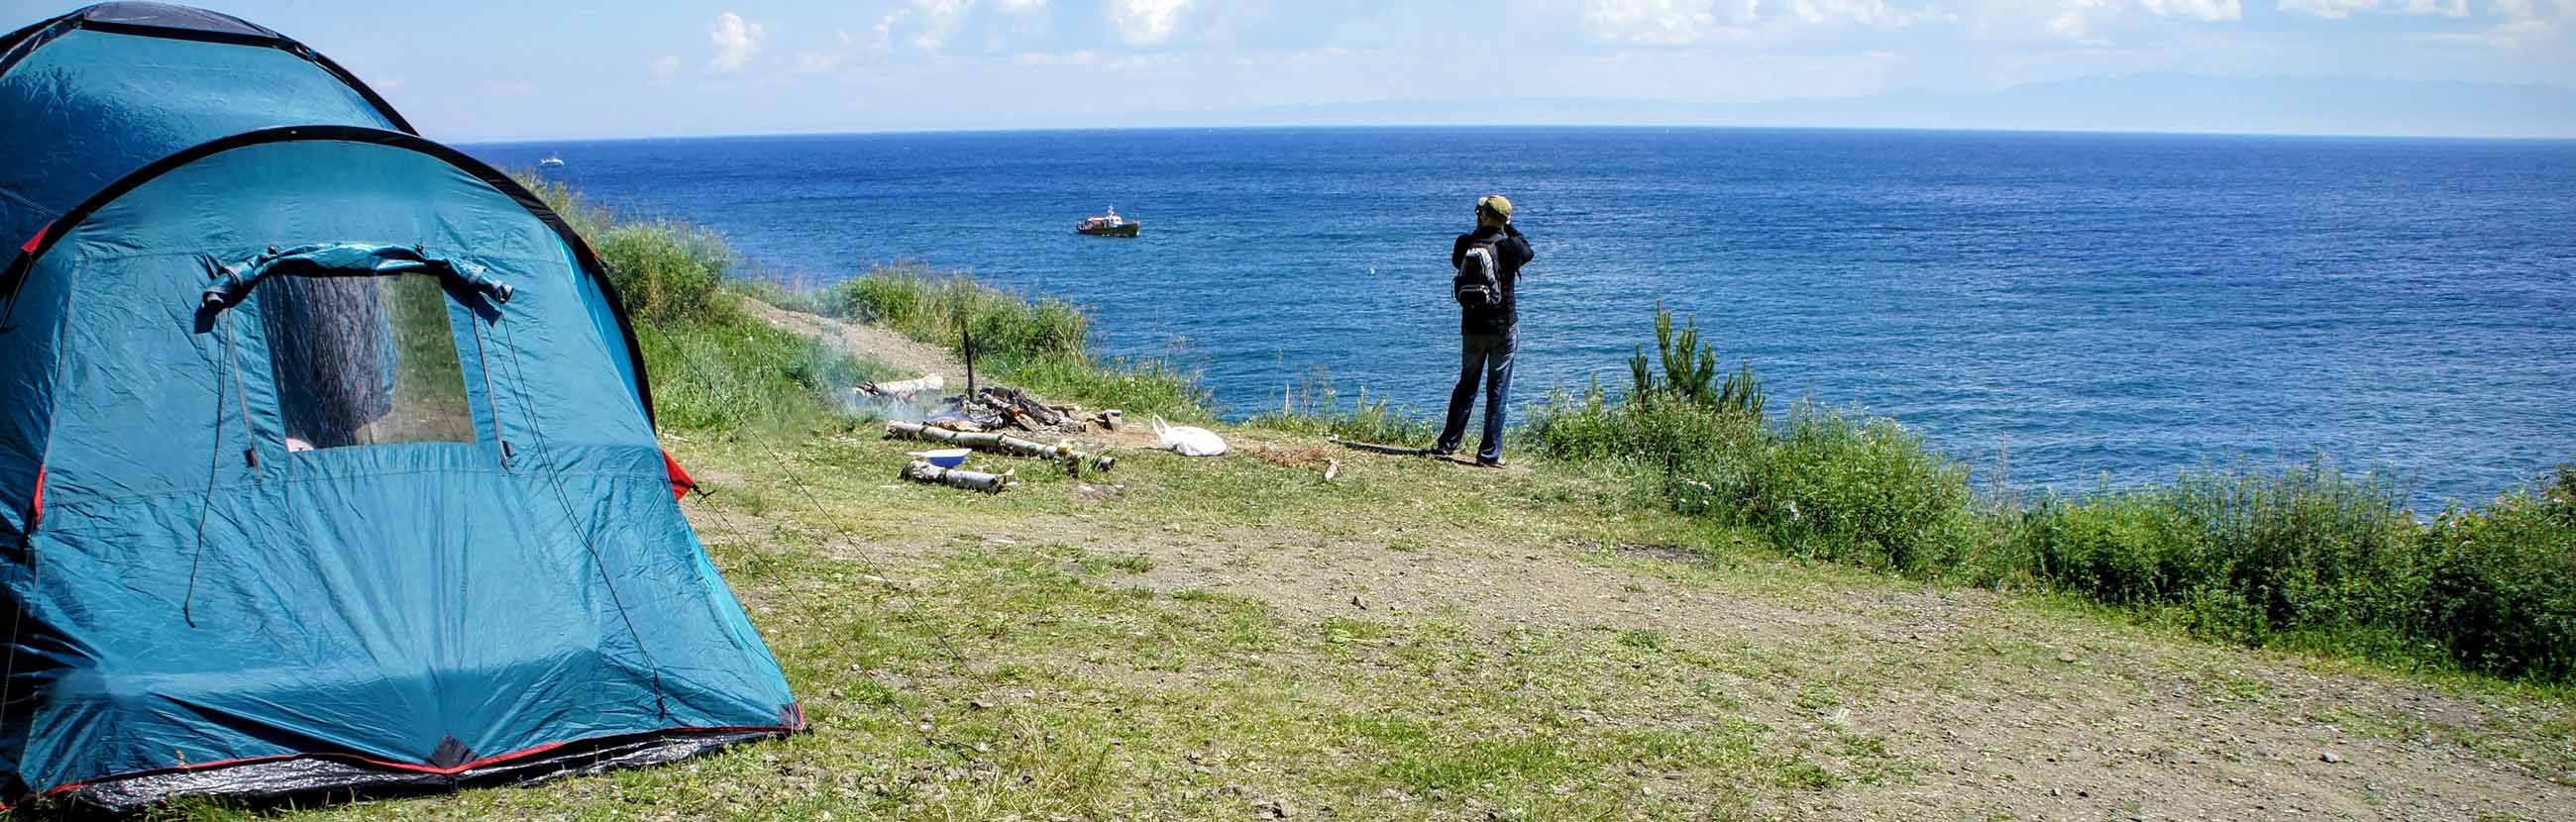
(945, 457)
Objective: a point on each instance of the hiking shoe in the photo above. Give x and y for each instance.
(1442, 452)
(1492, 463)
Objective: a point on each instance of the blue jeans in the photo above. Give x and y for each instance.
(1489, 355)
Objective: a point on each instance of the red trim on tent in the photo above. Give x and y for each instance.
(681, 484)
(406, 766)
(36, 512)
(39, 239)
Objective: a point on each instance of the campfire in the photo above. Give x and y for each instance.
(988, 408)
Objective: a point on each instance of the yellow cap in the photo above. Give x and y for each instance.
(1497, 204)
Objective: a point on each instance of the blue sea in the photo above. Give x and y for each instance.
(2100, 308)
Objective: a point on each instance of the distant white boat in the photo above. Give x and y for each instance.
(1108, 225)
(551, 161)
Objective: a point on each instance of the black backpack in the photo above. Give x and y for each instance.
(1479, 283)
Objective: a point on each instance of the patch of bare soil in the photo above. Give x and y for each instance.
(886, 346)
(2001, 710)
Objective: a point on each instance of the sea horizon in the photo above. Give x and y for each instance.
(514, 142)
(2105, 308)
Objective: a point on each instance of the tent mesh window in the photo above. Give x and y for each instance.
(364, 361)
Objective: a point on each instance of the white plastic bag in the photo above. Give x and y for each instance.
(1188, 441)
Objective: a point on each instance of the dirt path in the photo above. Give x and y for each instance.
(891, 348)
(2000, 706)
(2003, 709)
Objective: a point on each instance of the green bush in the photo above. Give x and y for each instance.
(667, 272)
(1690, 371)
(2496, 592)
(2307, 551)
(713, 368)
(1823, 483)
(744, 377)
(1693, 456)
(934, 308)
(664, 271)
(1858, 489)
(2310, 557)
(1041, 345)
(1139, 387)
(585, 219)
(1315, 408)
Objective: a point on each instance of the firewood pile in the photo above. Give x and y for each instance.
(984, 420)
(995, 442)
(997, 408)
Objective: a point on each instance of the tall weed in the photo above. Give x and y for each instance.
(2307, 551)
(1859, 489)
(1042, 345)
(938, 308)
(1315, 407)
(2310, 557)
(2496, 590)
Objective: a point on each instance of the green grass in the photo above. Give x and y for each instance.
(1064, 650)
(1042, 345)
(2310, 558)
(714, 369)
(1314, 408)
(1035, 679)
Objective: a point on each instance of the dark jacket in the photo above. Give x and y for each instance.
(1514, 251)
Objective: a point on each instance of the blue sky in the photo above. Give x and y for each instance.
(485, 69)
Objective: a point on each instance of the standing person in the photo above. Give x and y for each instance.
(1489, 262)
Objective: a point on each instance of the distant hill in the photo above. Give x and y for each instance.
(2142, 102)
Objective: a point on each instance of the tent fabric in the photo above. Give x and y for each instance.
(160, 16)
(234, 282)
(327, 460)
(96, 94)
(201, 591)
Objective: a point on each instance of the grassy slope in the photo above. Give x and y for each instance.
(1226, 638)
(1184, 645)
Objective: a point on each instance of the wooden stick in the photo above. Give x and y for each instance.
(903, 388)
(923, 471)
(998, 443)
(1374, 448)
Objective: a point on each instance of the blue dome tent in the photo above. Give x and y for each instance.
(327, 464)
(89, 96)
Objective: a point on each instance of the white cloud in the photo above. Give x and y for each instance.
(1864, 12)
(933, 22)
(1656, 22)
(885, 27)
(2329, 9)
(812, 62)
(2516, 24)
(664, 67)
(736, 41)
(1146, 22)
(2075, 18)
(2212, 10)
(1049, 58)
(2340, 9)
(939, 19)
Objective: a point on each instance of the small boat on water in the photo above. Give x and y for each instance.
(551, 161)
(1108, 225)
